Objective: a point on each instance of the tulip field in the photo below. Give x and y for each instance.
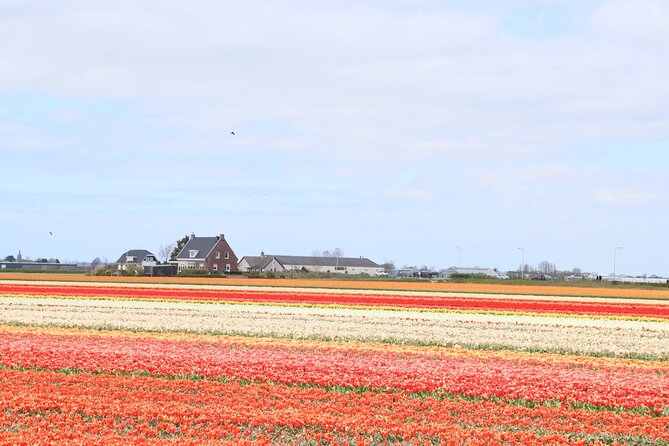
(297, 362)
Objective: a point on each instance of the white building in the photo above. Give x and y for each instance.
(136, 258)
(476, 271)
(337, 265)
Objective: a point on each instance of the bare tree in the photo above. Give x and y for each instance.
(165, 251)
(335, 253)
(547, 267)
(388, 265)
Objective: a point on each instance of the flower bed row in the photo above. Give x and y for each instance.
(487, 376)
(47, 407)
(607, 337)
(618, 309)
(486, 288)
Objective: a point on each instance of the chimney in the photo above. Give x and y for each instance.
(262, 253)
(192, 235)
(222, 235)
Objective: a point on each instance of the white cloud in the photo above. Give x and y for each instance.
(364, 106)
(641, 20)
(624, 196)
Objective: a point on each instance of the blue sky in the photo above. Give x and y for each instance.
(396, 130)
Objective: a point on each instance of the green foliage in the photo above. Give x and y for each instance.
(179, 246)
(133, 271)
(198, 273)
(469, 277)
(105, 271)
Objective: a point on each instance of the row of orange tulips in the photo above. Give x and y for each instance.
(47, 407)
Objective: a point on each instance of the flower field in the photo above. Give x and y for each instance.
(175, 363)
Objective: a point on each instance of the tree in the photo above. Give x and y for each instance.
(165, 251)
(96, 263)
(10, 258)
(547, 267)
(388, 265)
(335, 253)
(179, 246)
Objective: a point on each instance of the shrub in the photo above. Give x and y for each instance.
(194, 273)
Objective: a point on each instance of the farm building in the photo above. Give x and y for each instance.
(38, 266)
(282, 263)
(476, 271)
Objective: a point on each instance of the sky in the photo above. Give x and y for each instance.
(437, 133)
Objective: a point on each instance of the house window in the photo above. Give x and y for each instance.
(227, 255)
(215, 266)
(186, 265)
(192, 253)
(218, 254)
(227, 267)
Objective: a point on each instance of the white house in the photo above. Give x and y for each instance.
(137, 258)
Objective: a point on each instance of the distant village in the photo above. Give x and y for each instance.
(212, 255)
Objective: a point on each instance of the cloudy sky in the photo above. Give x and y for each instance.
(392, 129)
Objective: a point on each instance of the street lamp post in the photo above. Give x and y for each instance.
(522, 264)
(614, 260)
(460, 258)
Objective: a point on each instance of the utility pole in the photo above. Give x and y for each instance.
(614, 260)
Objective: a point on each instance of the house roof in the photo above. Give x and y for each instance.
(138, 254)
(360, 262)
(257, 261)
(203, 246)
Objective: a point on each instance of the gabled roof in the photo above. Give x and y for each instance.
(359, 262)
(257, 262)
(138, 254)
(203, 246)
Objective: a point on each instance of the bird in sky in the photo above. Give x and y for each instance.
(50, 233)
(232, 133)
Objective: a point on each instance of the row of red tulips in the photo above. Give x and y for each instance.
(620, 308)
(487, 376)
(45, 407)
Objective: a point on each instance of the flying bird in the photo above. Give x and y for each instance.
(50, 233)
(232, 133)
